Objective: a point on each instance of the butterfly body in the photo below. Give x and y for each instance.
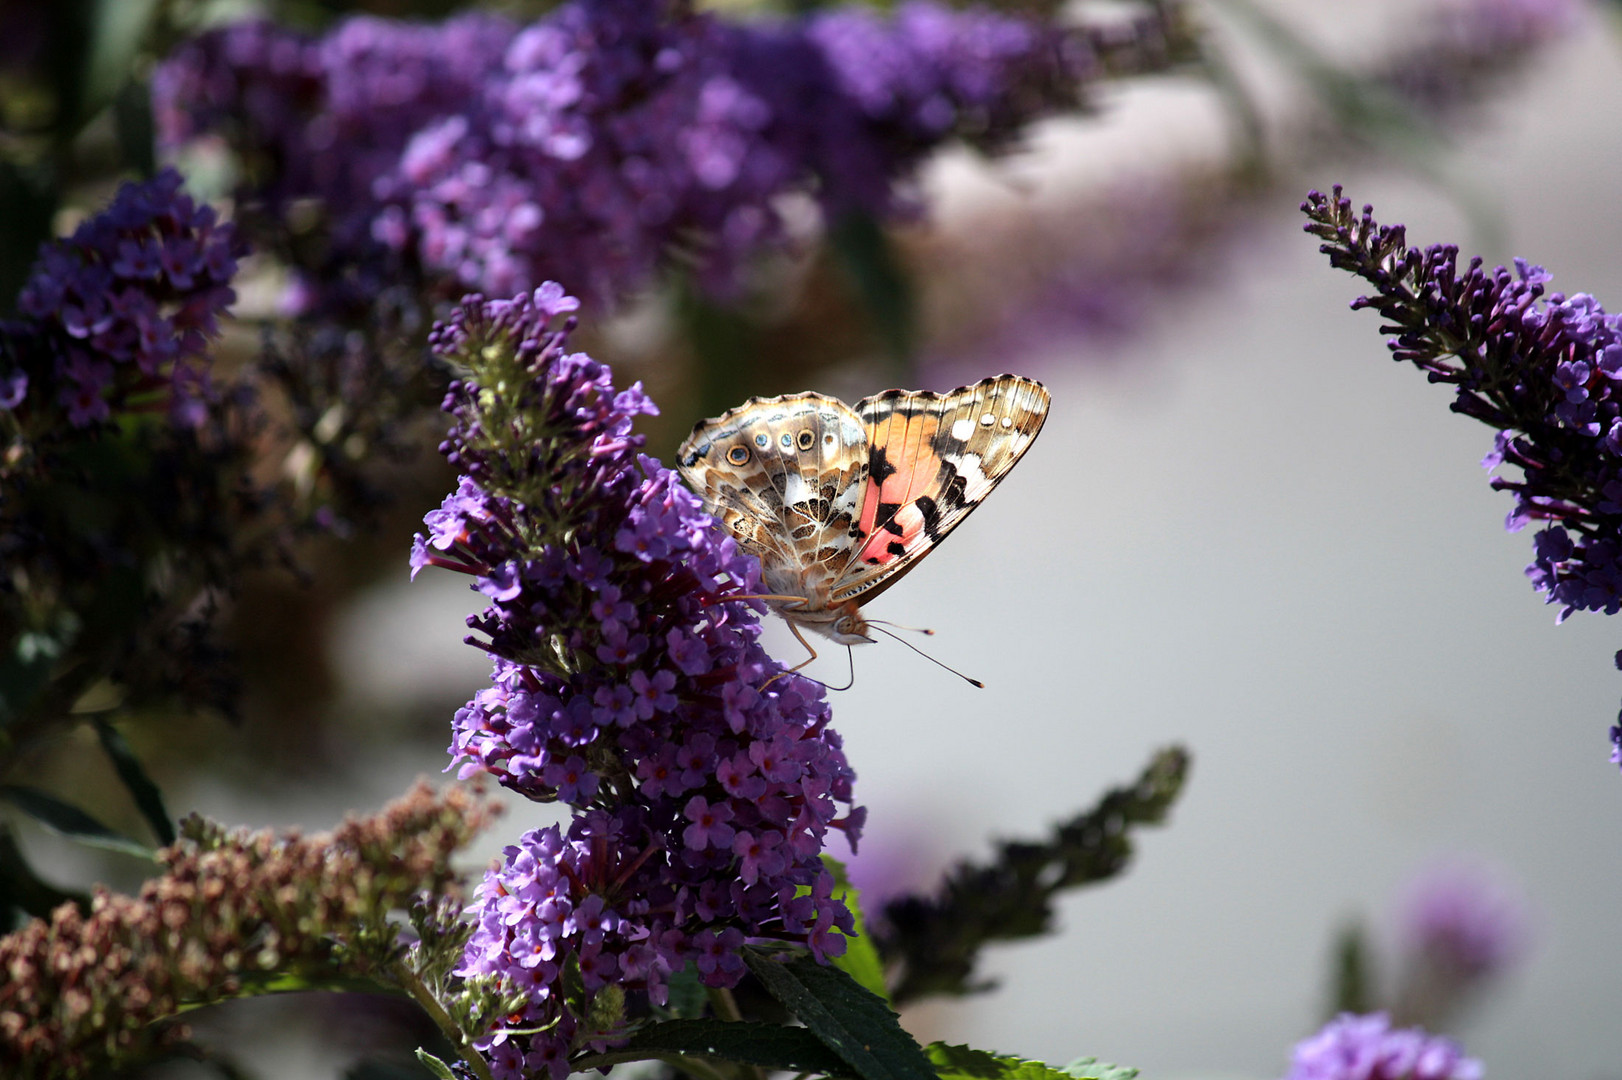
(838, 503)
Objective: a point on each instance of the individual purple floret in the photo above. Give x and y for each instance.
(119, 314)
(1353, 1047)
(603, 137)
(705, 779)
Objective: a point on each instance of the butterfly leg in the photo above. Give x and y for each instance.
(795, 630)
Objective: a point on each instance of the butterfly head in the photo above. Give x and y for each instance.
(850, 628)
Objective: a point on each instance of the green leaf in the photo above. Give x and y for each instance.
(69, 821)
(966, 1063)
(861, 960)
(266, 983)
(770, 1046)
(435, 1066)
(1092, 1069)
(140, 786)
(686, 997)
(855, 1023)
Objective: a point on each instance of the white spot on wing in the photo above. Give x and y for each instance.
(962, 429)
(975, 484)
(796, 491)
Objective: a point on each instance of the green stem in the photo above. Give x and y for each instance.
(423, 996)
(724, 1004)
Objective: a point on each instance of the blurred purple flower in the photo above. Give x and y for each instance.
(705, 779)
(1466, 918)
(123, 309)
(596, 140)
(1461, 927)
(1462, 42)
(1352, 1047)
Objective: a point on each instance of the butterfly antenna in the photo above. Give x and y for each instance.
(926, 656)
(915, 629)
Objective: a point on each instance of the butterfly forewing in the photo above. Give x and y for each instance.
(932, 458)
(785, 477)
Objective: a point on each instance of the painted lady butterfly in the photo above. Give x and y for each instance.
(838, 503)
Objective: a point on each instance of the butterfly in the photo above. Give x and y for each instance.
(838, 503)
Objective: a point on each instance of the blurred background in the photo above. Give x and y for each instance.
(1244, 529)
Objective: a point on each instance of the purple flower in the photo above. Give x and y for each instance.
(122, 310)
(620, 672)
(1461, 927)
(1534, 366)
(1466, 919)
(596, 140)
(1352, 1047)
(13, 389)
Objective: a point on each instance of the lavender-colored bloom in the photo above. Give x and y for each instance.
(1465, 918)
(1465, 42)
(1461, 926)
(123, 309)
(1352, 1047)
(1542, 369)
(603, 136)
(607, 585)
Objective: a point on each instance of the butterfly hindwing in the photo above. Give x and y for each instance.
(931, 459)
(785, 476)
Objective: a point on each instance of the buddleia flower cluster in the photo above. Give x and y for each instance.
(119, 314)
(86, 990)
(1353, 1047)
(1544, 369)
(598, 139)
(123, 465)
(628, 683)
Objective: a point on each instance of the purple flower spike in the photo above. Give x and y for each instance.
(628, 684)
(1538, 367)
(122, 309)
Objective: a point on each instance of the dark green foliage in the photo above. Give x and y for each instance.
(854, 1023)
(937, 940)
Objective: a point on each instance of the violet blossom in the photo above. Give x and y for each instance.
(604, 136)
(628, 684)
(1544, 369)
(1353, 1047)
(121, 312)
(1462, 927)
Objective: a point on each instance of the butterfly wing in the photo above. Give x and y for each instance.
(932, 458)
(785, 476)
